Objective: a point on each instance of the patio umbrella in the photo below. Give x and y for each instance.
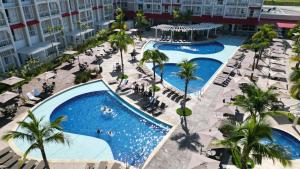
(201, 162)
(7, 96)
(128, 32)
(231, 92)
(133, 30)
(226, 109)
(282, 94)
(69, 52)
(278, 75)
(117, 30)
(45, 76)
(12, 80)
(278, 85)
(242, 80)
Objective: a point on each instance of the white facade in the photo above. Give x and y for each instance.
(25, 27)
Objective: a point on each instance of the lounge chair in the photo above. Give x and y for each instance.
(157, 113)
(29, 164)
(10, 162)
(6, 157)
(162, 106)
(90, 166)
(154, 106)
(41, 165)
(116, 166)
(112, 82)
(36, 92)
(228, 70)
(4, 151)
(32, 97)
(103, 165)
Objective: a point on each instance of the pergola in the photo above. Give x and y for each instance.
(187, 28)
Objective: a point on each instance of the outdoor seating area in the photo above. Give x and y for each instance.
(8, 159)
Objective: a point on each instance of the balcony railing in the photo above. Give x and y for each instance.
(54, 12)
(81, 6)
(13, 20)
(2, 22)
(44, 14)
(4, 43)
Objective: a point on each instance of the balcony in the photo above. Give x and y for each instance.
(2, 22)
(44, 14)
(54, 12)
(4, 43)
(13, 20)
(81, 6)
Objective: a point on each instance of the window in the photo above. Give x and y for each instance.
(6, 60)
(166, 9)
(220, 2)
(32, 30)
(28, 12)
(148, 6)
(18, 34)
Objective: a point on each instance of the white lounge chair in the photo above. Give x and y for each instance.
(32, 97)
(36, 92)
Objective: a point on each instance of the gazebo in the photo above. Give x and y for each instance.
(187, 28)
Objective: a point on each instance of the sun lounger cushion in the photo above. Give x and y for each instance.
(4, 151)
(103, 165)
(32, 97)
(29, 164)
(41, 165)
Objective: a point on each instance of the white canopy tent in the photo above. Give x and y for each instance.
(187, 28)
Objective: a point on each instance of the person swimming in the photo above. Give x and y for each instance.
(110, 133)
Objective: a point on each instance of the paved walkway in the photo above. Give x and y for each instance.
(176, 151)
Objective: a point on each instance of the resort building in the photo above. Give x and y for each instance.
(42, 28)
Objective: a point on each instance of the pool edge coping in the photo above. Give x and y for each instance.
(23, 116)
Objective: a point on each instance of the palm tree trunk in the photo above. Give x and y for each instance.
(122, 63)
(253, 64)
(154, 79)
(185, 94)
(161, 75)
(44, 158)
(259, 57)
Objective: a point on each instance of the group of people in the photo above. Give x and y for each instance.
(140, 88)
(48, 89)
(110, 133)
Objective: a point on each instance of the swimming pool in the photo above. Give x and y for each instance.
(199, 48)
(205, 70)
(286, 141)
(125, 133)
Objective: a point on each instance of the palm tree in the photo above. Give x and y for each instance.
(264, 37)
(295, 89)
(53, 30)
(121, 40)
(37, 134)
(161, 67)
(156, 57)
(246, 147)
(187, 73)
(176, 15)
(82, 27)
(255, 101)
(140, 22)
(119, 23)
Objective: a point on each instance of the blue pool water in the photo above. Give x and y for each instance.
(133, 136)
(287, 141)
(202, 48)
(205, 70)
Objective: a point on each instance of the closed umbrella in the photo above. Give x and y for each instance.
(12, 80)
(226, 109)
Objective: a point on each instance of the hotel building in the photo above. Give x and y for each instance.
(25, 27)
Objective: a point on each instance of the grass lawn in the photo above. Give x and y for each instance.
(282, 2)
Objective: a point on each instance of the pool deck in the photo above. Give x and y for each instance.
(176, 150)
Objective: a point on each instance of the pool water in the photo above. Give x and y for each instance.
(286, 141)
(202, 48)
(132, 138)
(205, 70)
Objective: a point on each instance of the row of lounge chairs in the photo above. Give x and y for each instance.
(8, 159)
(104, 165)
(145, 70)
(154, 106)
(175, 94)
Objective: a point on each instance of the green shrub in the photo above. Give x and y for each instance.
(156, 88)
(184, 112)
(84, 76)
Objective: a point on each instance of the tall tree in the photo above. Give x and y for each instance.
(246, 146)
(264, 38)
(255, 101)
(177, 15)
(82, 27)
(53, 30)
(37, 133)
(161, 67)
(140, 22)
(187, 73)
(156, 57)
(121, 40)
(120, 21)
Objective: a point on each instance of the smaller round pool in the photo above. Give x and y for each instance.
(286, 141)
(200, 48)
(205, 70)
